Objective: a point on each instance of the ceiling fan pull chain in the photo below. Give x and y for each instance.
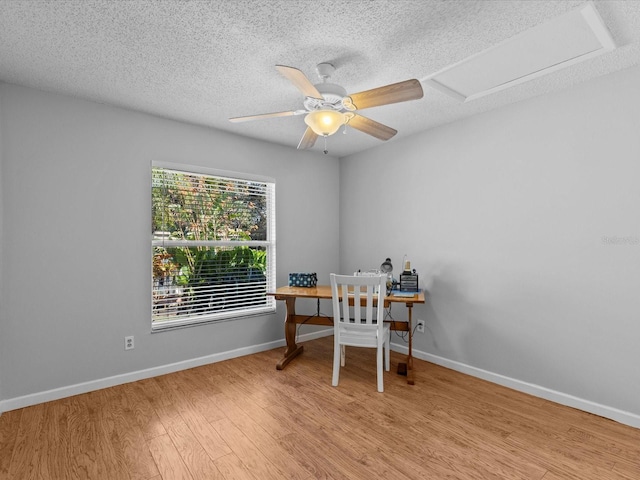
(325, 144)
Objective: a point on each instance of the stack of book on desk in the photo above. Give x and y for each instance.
(398, 293)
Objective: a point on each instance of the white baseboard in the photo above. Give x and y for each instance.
(77, 389)
(561, 398)
(621, 416)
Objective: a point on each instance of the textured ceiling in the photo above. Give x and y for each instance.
(205, 61)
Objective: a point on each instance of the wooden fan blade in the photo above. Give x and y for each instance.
(300, 80)
(371, 127)
(308, 140)
(394, 93)
(266, 115)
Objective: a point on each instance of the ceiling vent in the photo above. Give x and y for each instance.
(568, 39)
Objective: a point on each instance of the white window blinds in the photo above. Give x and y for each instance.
(213, 247)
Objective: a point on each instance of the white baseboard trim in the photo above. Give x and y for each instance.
(620, 416)
(85, 387)
(68, 391)
(561, 398)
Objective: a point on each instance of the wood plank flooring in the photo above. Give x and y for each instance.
(243, 419)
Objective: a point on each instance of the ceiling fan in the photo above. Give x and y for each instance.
(327, 106)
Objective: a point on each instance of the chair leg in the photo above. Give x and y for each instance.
(379, 369)
(387, 359)
(337, 356)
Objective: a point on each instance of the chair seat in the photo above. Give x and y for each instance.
(362, 339)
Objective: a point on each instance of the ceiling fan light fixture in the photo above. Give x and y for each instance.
(324, 122)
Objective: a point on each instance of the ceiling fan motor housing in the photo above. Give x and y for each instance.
(332, 97)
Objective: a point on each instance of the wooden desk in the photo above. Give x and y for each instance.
(289, 296)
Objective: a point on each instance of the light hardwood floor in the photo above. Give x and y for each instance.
(243, 419)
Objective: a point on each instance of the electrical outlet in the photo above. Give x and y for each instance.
(420, 326)
(128, 343)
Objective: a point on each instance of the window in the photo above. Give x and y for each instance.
(213, 246)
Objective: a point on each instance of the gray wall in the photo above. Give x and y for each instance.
(524, 225)
(76, 240)
(1, 248)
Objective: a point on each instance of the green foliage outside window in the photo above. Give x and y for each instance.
(204, 256)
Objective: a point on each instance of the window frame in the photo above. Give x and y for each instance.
(269, 245)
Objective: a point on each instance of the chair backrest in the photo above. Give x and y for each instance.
(367, 292)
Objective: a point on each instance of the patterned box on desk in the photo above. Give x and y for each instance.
(303, 279)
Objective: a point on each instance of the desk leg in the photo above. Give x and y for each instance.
(410, 372)
(292, 350)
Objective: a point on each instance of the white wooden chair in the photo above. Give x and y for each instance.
(358, 331)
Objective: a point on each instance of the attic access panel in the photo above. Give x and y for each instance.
(563, 41)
